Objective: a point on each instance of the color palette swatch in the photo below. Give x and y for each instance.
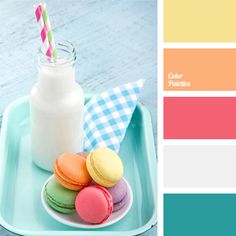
(199, 21)
(199, 69)
(199, 214)
(200, 117)
(199, 166)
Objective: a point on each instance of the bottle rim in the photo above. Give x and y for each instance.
(66, 54)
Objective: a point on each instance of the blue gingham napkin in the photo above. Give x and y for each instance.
(107, 116)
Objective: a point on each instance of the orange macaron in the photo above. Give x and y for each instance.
(71, 172)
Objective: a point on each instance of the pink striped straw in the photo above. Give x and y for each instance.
(45, 31)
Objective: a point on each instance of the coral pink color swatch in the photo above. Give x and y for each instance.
(200, 118)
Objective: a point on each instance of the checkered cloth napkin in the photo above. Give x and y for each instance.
(107, 116)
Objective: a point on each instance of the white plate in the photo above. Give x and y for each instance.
(75, 221)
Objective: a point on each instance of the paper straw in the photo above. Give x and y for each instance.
(49, 31)
(45, 30)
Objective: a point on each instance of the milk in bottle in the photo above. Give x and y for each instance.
(56, 108)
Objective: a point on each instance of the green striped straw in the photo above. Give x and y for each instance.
(49, 31)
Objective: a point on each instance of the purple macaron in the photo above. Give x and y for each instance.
(119, 194)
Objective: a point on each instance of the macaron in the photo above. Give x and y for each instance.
(71, 172)
(104, 166)
(59, 198)
(94, 204)
(119, 195)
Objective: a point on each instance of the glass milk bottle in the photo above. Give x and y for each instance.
(56, 108)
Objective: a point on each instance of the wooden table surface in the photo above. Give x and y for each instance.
(116, 43)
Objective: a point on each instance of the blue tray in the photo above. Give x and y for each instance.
(21, 181)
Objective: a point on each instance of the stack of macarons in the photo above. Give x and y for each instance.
(90, 184)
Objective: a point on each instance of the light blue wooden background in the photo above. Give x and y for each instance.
(116, 41)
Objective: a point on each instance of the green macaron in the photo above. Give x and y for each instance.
(60, 198)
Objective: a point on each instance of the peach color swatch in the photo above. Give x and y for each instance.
(199, 69)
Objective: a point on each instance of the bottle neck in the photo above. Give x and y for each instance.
(57, 75)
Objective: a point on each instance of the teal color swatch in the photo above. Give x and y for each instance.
(199, 214)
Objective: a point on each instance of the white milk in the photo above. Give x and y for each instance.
(56, 109)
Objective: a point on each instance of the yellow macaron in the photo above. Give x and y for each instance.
(104, 166)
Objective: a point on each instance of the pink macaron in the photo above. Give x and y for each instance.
(94, 204)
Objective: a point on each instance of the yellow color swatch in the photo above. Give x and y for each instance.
(200, 20)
